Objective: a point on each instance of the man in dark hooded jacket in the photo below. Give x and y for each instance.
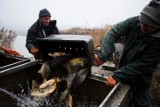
(42, 28)
(141, 52)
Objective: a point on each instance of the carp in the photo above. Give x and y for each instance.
(60, 75)
(55, 54)
(45, 89)
(81, 62)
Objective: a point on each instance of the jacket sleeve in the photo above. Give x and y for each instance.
(30, 40)
(116, 32)
(143, 65)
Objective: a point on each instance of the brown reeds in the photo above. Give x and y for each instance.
(6, 38)
(96, 33)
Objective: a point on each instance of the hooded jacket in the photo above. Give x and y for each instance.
(140, 55)
(36, 31)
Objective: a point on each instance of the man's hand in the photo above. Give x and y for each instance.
(34, 51)
(110, 81)
(97, 61)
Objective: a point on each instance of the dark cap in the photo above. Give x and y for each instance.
(150, 15)
(44, 13)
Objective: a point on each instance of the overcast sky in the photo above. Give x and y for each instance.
(69, 13)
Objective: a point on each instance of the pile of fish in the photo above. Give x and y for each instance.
(61, 79)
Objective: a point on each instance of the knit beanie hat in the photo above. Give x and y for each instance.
(44, 13)
(150, 15)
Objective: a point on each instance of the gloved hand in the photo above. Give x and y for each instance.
(110, 81)
(34, 51)
(97, 61)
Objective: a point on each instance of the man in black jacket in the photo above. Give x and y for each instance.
(42, 28)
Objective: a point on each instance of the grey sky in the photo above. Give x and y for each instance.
(69, 13)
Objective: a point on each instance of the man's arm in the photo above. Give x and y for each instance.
(30, 40)
(116, 32)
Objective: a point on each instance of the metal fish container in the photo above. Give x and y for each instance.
(92, 93)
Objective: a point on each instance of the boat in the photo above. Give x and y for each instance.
(92, 92)
(8, 61)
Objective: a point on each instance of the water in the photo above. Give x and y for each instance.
(23, 101)
(19, 45)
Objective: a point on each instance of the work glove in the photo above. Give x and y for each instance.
(97, 61)
(110, 81)
(34, 51)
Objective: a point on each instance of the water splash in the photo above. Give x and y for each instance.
(22, 102)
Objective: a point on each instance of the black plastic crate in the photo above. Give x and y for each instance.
(77, 45)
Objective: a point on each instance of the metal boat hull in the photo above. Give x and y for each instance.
(93, 91)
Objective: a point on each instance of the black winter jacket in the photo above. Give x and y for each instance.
(35, 31)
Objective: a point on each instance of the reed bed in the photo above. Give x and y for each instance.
(96, 33)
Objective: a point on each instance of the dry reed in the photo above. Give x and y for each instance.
(96, 33)
(6, 38)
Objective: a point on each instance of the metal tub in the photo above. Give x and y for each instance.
(94, 93)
